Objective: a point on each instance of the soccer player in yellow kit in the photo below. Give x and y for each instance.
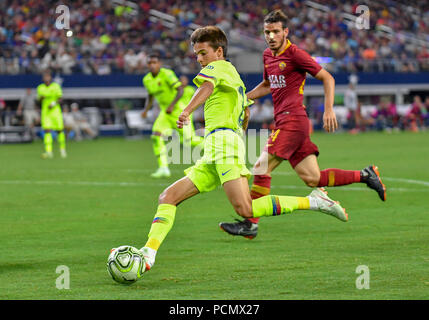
(222, 92)
(49, 95)
(163, 85)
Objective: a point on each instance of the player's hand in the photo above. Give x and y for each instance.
(330, 123)
(144, 114)
(52, 104)
(183, 119)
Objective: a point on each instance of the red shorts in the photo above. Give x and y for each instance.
(292, 141)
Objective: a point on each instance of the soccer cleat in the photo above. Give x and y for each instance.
(63, 153)
(371, 176)
(149, 257)
(243, 228)
(47, 155)
(161, 173)
(327, 205)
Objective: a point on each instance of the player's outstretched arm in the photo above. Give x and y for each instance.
(330, 123)
(200, 96)
(261, 90)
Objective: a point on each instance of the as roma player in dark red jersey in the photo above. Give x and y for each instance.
(285, 69)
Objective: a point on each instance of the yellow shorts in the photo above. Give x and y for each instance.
(223, 160)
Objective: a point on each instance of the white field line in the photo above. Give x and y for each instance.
(410, 181)
(152, 183)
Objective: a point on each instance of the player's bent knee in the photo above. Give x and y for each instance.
(167, 197)
(311, 181)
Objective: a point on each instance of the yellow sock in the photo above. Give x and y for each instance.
(161, 225)
(47, 140)
(62, 140)
(275, 205)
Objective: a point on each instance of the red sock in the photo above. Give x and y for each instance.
(261, 187)
(338, 177)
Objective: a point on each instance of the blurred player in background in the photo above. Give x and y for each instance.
(49, 96)
(27, 105)
(222, 92)
(351, 103)
(172, 97)
(285, 68)
(188, 90)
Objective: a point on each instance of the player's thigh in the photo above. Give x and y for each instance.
(238, 194)
(162, 125)
(53, 119)
(46, 121)
(30, 117)
(308, 170)
(266, 163)
(58, 124)
(177, 192)
(204, 176)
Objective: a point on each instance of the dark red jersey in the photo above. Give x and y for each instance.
(286, 74)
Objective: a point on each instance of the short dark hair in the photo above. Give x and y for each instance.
(154, 55)
(277, 16)
(213, 35)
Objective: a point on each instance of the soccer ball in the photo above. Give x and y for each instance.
(126, 264)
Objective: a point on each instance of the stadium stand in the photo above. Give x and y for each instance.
(108, 38)
(113, 37)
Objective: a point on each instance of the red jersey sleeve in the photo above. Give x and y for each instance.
(305, 62)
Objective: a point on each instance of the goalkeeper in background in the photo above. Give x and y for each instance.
(172, 97)
(49, 96)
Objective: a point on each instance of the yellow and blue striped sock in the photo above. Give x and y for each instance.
(161, 225)
(272, 205)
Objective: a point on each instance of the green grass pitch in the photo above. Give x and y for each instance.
(70, 212)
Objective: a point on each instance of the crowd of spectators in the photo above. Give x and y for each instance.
(384, 115)
(115, 36)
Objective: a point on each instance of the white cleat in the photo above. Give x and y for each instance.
(327, 205)
(149, 257)
(161, 173)
(63, 153)
(47, 155)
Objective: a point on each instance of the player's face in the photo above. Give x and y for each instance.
(47, 78)
(154, 65)
(206, 54)
(275, 35)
